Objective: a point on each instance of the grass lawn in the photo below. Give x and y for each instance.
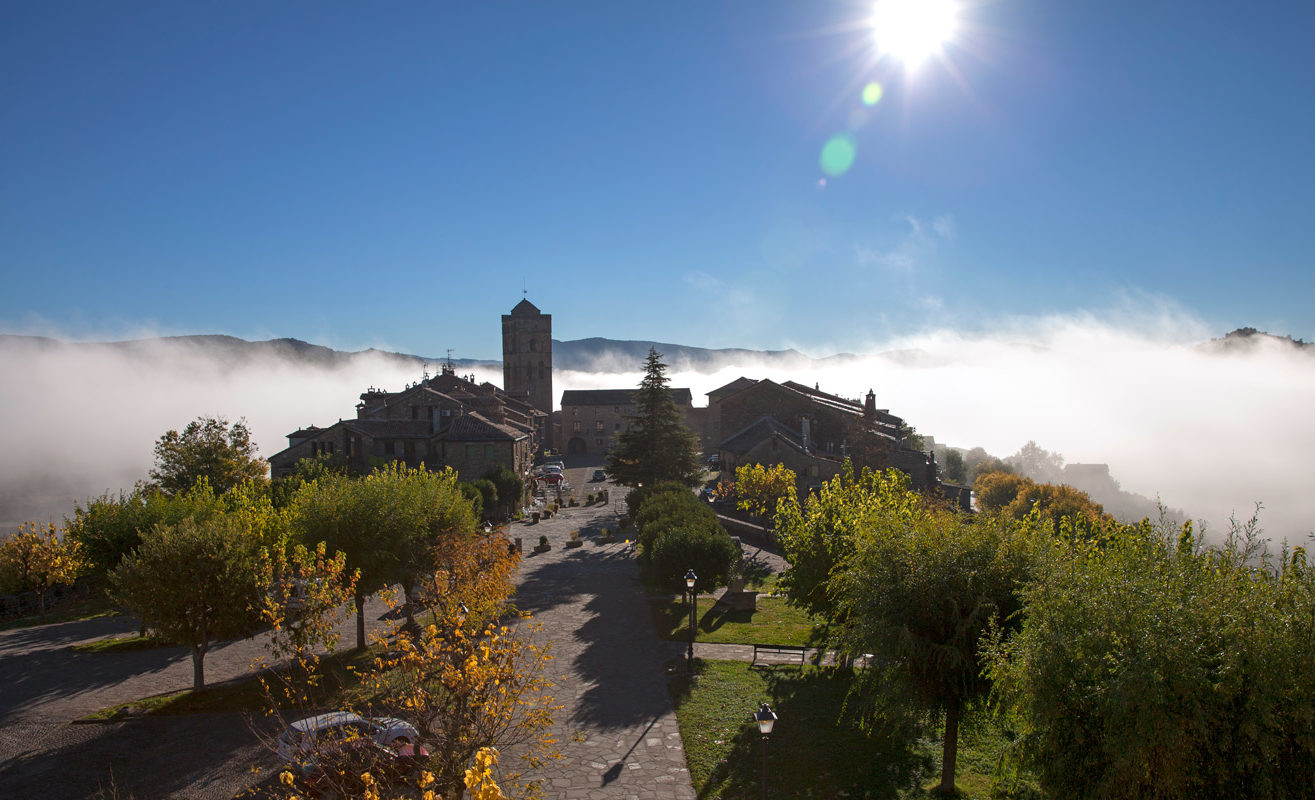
(339, 688)
(122, 644)
(90, 608)
(810, 753)
(775, 622)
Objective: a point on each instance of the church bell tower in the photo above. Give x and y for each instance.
(527, 355)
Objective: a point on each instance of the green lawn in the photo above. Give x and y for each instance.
(775, 622)
(121, 644)
(811, 754)
(72, 611)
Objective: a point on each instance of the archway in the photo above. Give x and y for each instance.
(576, 447)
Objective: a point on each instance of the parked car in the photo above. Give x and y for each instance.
(305, 737)
(338, 767)
(599, 475)
(552, 478)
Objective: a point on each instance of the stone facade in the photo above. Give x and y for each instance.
(592, 418)
(812, 432)
(527, 357)
(442, 421)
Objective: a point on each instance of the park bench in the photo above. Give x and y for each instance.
(790, 650)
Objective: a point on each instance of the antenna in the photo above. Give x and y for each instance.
(525, 287)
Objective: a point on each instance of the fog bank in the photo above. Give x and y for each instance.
(1209, 432)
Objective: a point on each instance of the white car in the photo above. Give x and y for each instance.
(302, 738)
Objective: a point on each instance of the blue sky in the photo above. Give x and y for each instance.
(394, 174)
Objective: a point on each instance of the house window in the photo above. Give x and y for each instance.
(470, 451)
(575, 426)
(598, 426)
(598, 442)
(534, 345)
(389, 448)
(813, 470)
(575, 412)
(488, 451)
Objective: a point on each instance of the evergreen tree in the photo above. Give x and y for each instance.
(656, 446)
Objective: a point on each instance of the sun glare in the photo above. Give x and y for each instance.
(912, 30)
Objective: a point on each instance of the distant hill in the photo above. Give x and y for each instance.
(1244, 340)
(598, 354)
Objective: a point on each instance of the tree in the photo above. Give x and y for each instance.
(207, 448)
(1148, 665)
(760, 489)
(108, 528)
(303, 605)
(198, 582)
(1017, 497)
(387, 524)
(466, 681)
(509, 489)
(37, 561)
(1037, 463)
(955, 470)
(656, 445)
(920, 591)
(819, 533)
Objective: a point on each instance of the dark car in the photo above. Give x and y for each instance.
(599, 475)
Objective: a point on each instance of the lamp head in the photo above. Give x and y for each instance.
(766, 719)
(690, 578)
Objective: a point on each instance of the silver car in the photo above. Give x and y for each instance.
(303, 737)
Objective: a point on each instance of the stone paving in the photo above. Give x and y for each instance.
(617, 732)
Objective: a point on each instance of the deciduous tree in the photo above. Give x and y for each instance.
(207, 448)
(759, 489)
(197, 582)
(37, 560)
(1149, 665)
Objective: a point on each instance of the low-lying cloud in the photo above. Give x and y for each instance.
(1212, 433)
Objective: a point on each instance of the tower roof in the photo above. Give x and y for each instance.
(525, 309)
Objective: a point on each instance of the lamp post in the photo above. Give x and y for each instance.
(690, 579)
(766, 719)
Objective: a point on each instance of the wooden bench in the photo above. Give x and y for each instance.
(780, 650)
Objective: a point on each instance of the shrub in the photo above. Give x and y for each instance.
(711, 554)
(543, 541)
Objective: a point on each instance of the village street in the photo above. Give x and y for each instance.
(617, 731)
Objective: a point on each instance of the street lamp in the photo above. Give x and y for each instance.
(766, 719)
(690, 579)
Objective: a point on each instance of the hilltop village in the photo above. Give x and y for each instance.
(450, 420)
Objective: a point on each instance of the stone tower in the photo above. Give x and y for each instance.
(527, 355)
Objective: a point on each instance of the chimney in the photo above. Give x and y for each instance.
(870, 404)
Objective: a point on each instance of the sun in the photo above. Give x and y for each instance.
(912, 30)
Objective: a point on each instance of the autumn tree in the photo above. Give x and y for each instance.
(388, 525)
(207, 448)
(197, 582)
(303, 605)
(469, 681)
(508, 488)
(1017, 497)
(656, 445)
(37, 560)
(759, 489)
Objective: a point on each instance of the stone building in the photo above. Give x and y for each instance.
(592, 418)
(813, 432)
(527, 358)
(442, 421)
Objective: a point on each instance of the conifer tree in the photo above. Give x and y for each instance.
(656, 446)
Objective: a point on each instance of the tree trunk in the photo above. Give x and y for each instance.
(950, 751)
(198, 666)
(360, 622)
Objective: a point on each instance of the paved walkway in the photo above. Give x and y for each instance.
(617, 732)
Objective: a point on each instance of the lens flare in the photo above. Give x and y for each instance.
(838, 155)
(872, 94)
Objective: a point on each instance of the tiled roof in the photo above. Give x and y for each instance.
(390, 428)
(475, 428)
(746, 439)
(525, 309)
(617, 397)
(731, 388)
